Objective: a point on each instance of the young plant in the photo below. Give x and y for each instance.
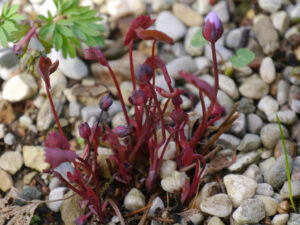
(137, 143)
(286, 164)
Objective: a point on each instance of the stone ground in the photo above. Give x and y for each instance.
(252, 190)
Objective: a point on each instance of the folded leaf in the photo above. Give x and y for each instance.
(153, 35)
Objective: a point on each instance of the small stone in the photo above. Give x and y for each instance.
(45, 116)
(223, 53)
(295, 185)
(19, 88)
(268, 105)
(159, 5)
(120, 8)
(239, 188)
(31, 193)
(11, 161)
(217, 205)
(74, 109)
(254, 88)
(234, 38)
(296, 169)
(275, 175)
(64, 168)
(54, 183)
(187, 15)
(270, 5)
(70, 209)
(270, 134)
(238, 127)
(118, 119)
(10, 139)
(34, 157)
(285, 116)
(294, 13)
(196, 218)
(28, 177)
(126, 90)
(8, 63)
(251, 211)
(188, 47)
(254, 173)
(294, 219)
(156, 204)
(201, 63)
(228, 141)
(243, 159)
(221, 9)
(270, 204)
(225, 101)
(175, 182)
(25, 121)
(184, 63)
(280, 219)
(178, 49)
(58, 84)
(2, 130)
(215, 221)
(73, 68)
(203, 6)
(281, 21)
(254, 122)
(171, 25)
(6, 181)
(264, 189)
(266, 34)
(249, 142)
(290, 76)
(55, 194)
(134, 200)
(267, 70)
(283, 89)
(246, 106)
(228, 86)
(90, 111)
(170, 151)
(283, 207)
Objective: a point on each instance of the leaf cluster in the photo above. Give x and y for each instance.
(72, 24)
(8, 23)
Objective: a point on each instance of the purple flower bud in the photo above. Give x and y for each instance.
(138, 97)
(84, 130)
(121, 131)
(177, 101)
(105, 102)
(212, 28)
(21, 45)
(144, 73)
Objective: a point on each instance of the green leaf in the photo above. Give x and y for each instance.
(78, 33)
(100, 41)
(17, 17)
(4, 9)
(9, 26)
(57, 40)
(243, 57)
(12, 10)
(65, 31)
(86, 29)
(91, 41)
(71, 49)
(3, 37)
(65, 47)
(67, 5)
(50, 17)
(20, 31)
(43, 18)
(46, 30)
(198, 39)
(65, 23)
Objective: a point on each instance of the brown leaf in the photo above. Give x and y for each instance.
(14, 214)
(7, 114)
(218, 163)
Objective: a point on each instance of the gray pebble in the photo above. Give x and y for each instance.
(264, 189)
(10, 139)
(270, 134)
(283, 90)
(251, 211)
(249, 142)
(254, 172)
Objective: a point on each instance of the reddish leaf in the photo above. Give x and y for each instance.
(179, 116)
(138, 97)
(200, 84)
(56, 156)
(141, 21)
(92, 53)
(46, 67)
(187, 157)
(177, 92)
(56, 140)
(153, 35)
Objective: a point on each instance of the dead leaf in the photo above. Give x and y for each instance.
(7, 114)
(14, 214)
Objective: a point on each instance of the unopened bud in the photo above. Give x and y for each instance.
(121, 131)
(144, 73)
(105, 102)
(138, 97)
(212, 28)
(84, 130)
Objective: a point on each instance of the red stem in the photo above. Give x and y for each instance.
(131, 65)
(215, 66)
(54, 112)
(119, 93)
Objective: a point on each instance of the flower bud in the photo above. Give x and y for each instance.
(177, 101)
(121, 131)
(212, 28)
(138, 97)
(178, 116)
(81, 220)
(218, 110)
(144, 73)
(84, 130)
(105, 102)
